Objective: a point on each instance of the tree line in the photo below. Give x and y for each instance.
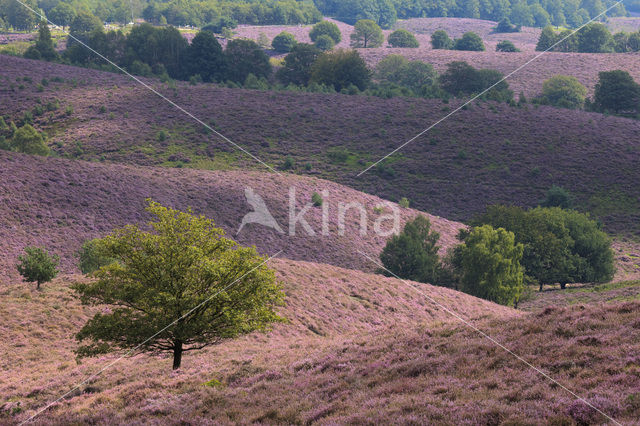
(504, 250)
(172, 12)
(571, 13)
(592, 38)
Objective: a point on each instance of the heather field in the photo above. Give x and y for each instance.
(477, 157)
(358, 349)
(353, 347)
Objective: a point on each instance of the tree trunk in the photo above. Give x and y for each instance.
(177, 354)
(38, 285)
(540, 287)
(563, 285)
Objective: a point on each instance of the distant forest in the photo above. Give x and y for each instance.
(539, 13)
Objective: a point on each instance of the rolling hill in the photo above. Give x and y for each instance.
(61, 203)
(357, 347)
(487, 153)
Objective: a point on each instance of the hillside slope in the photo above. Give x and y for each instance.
(325, 306)
(358, 347)
(476, 157)
(61, 203)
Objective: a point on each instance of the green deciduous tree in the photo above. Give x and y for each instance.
(18, 16)
(595, 38)
(91, 256)
(617, 92)
(179, 287)
(413, 254)
(324, 43)
(204, 57)
(244, 57)
(62, 14)
(469, 41)
(402, 38)
(560, 246)
(563, 91)
(460, 78)
(297, 64)
(440, 40)
(366, 33)
(326, 28)
(341, 69)
(488, 263)
(37, 265)
(283, 42)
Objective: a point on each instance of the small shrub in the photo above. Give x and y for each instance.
(288, 163)
(506, 46)
(404, 202)
(324, 43)
(316, 199)
(402, 38)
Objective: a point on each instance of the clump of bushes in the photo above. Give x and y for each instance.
(402, 38)
(283, 42)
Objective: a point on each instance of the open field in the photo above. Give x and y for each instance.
(479, 156)
(358, 347)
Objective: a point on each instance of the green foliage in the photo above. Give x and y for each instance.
(557, 196)
(283, 42)
(366, 33)
(316, 199)
(288, 163)
(92, 256)
(595, 38)
(204, 57)
(404, 202)
(402, 38)
(159, 48)
(340, 69)
(43, 48)
(37, 265)
(547, 39)
(183, 277)
(297, 65)
(563, 91)
(326, 28)
(62, 14)
(504, 26)
(28, 140)
(17, 15)
(506, 46)
(488, 263)
(469, 41)
(440, 40)
(413, 254)
(220, 24)
(460, 78)
(419, 77)
(617, 92)
(244, 57)
(324, 43)
(560, 246)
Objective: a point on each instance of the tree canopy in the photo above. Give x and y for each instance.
(413, 254)
(178, 287)
(37, 265)
(366, 33)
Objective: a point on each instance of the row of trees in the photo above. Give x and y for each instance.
(572, 13)
(505, 248)
(615, 93)
(173, 12)
(592, 38)
(469, 41)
